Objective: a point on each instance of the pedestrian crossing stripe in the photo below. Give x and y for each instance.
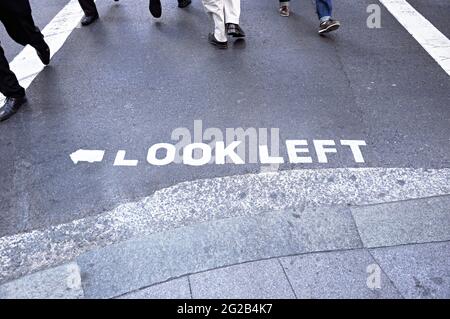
(429, 37)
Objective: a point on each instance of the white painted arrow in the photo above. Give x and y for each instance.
(90, 156)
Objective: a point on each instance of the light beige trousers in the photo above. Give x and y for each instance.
(221, 12)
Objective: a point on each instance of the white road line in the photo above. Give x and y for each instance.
(90, 156)
(194, 202)
(428, 36)
(26, 65)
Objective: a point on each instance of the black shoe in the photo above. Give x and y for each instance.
(184, 3)
(235, 30)
(87, 20)
(11, 106)
(221, 45)
(44, 53)
(155, 8)
(328, 26)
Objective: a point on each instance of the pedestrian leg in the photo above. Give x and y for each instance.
(215, 10)
(9, 85)
(232, 11)
(89, 8)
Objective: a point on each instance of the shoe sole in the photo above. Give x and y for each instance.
(331, 28)
(218, 45)
(155, 8)
(236, 35)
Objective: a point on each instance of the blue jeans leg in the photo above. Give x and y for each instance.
(324, 9)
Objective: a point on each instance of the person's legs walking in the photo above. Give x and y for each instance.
(232, 10)
(21, 28)
(34, 37)
(18, 21)
(324, 10)
(89, 8)
(9, 87)
(90, 12)
(215, 10)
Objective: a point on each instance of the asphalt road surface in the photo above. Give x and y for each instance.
(128, 81)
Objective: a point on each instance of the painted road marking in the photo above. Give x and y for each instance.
(428, 36)
(26, 65)
(220, 153)
(194, 202)
(89, 156)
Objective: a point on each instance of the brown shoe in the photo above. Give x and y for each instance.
(328, 26)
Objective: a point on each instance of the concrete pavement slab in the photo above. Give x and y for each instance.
(415, 221)
(341, 274)
(256, 280)
(62, 282)
(133, 264)
(440, 203)
(418, 271)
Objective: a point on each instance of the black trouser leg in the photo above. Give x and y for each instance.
(89, 7)
(9, 86)
(21, 28)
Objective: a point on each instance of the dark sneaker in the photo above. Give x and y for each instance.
(11, 106)
(184, 3)
(87, 20)
(44, 53)
(155, 8)
(284, 11)
(328, 26)
(221, 45)
(234, 30)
